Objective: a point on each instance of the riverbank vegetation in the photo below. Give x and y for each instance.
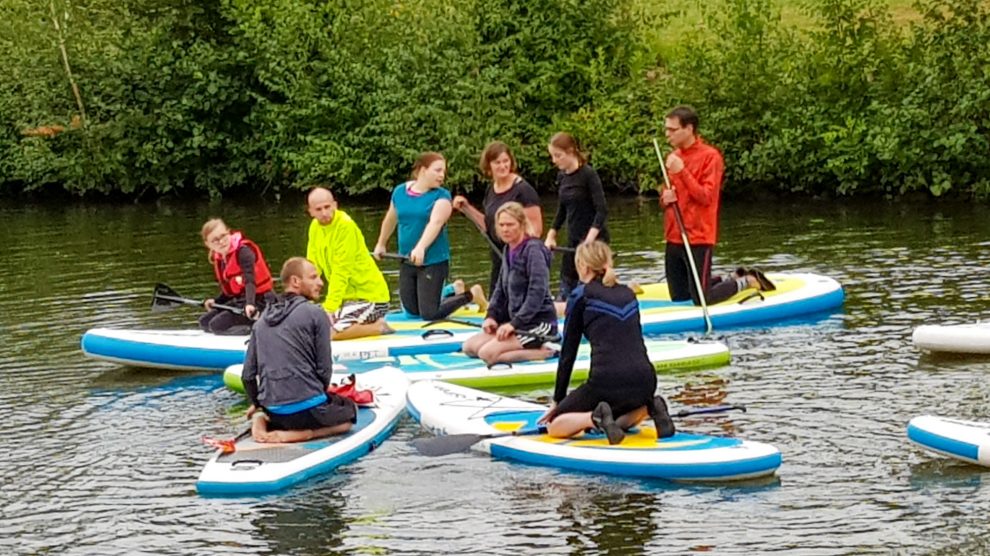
(142, 98)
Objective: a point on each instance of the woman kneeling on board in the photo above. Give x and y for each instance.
(619, 391)
(521, 301)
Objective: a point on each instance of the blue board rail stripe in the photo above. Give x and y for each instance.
(943, 444)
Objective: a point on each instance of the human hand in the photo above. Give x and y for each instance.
(417, 256)
(549, 415)
(250, 311)
(459, 202)
(250, 411)
(504, 332)
(208, 304)
(551, 241)
(378, 251)
(489, 326)
(674, 163)
(668, 197)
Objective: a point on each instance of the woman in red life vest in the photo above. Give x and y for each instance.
(244, 278)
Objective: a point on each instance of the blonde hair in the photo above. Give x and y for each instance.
(597, 257)
(209, 226)
(518, 213)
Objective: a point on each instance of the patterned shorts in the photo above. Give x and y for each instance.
(358, 312)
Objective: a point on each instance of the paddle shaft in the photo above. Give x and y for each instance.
(687, 245)
(187, 301)
(394, 256)
(541, 337)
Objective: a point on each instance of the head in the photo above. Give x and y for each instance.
(681, 126)
(497, 160)
(430, 169)
(299, 276)
(216, 236)
(321, 205)
(594, 260)
(511, 223)
(565, 152)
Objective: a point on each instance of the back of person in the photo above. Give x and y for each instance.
(290, 368)
(612, 325)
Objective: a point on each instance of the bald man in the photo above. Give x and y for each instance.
(357, 294)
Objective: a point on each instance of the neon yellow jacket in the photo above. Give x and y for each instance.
(340, 254)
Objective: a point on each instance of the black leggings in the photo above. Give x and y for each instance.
(568, 274)
(225, 323)
(680, 280)
(420, 288)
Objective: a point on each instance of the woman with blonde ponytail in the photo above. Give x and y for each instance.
(620, 389)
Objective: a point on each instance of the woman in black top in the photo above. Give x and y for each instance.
(582, 205)
(622, 380)
(498, 163)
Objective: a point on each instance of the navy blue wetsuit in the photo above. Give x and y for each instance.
(621, 372)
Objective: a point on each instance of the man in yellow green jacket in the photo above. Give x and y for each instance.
(357, 294)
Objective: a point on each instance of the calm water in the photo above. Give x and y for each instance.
(100, 459)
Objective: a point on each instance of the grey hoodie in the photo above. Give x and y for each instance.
(288, 357)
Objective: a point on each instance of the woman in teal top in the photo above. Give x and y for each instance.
(421, 208)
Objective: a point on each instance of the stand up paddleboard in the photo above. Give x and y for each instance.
(469, 371)
(964, 440)
(262, 468)
(444, 408)
(959, 338)
(797, 294)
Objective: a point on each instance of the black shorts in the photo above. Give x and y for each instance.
(335, 411)
(622, 401)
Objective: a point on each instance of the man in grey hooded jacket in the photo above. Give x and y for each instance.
(288, 365)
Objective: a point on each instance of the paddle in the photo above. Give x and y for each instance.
(541, 337)
(453, 443)
(687, 246)
(394, 256)
(165, 299)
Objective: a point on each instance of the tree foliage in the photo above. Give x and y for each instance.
(211, 97)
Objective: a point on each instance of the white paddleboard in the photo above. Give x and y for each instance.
(959, 338)
(964, 440)
(261, 468)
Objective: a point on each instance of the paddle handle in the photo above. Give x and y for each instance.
(187, 301)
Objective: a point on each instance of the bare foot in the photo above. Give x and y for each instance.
(478, 295)
(636, 288)
(259, 428)
(386, 329)
(458, 287)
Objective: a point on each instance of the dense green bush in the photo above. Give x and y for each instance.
(211, 97)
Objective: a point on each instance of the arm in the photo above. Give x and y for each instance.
(598, 200)
(321, 339)
(535, 216)
(573, 328)
(387, 228)
(497, 302)
(249, 373)
(246, 258)
(538, 273)
(438, 219)
(703, 189)
(342, 254)
(467, 209)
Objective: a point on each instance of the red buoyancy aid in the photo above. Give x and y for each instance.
(231, 277)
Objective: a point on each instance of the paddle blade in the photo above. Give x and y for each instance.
(444, 445)
(164, 299)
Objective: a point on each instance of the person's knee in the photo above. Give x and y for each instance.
(489, 353)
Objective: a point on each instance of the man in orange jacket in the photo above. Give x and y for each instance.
(696, 170)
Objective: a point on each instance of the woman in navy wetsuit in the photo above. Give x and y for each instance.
(620, 389)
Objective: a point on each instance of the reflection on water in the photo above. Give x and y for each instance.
(100, 459)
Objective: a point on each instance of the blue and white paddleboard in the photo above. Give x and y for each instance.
(964, 440)
(444, 408)
(262, 468)
(796, 295)
(666, 355)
